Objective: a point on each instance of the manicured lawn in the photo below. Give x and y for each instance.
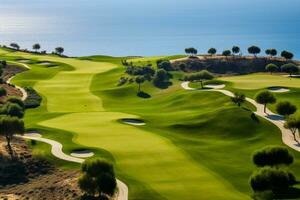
(195, 145)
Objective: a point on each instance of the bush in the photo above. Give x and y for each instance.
(161, 78)
(2, 92)
(285, 108)
(164, 64)
(202, 75)
(12, 109)
(33, 100)
(268, 178)
(272, 156)
(290, 68)
(16, 100)
(98, 177)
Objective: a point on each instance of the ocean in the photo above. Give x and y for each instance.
(150, 27)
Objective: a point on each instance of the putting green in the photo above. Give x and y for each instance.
(259, 81)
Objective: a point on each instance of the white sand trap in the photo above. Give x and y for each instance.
(135, 122)
(44, 63)
(215, 86)
(24, 61)
(278, 89)
(82, 153)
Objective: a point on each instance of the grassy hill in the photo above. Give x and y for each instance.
(195, 145)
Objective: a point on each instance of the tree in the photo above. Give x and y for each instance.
(59, 50)
(273, 52)
(15, 46)
(12, 109)
(226, 53)
(165, 64)
(238, 99)
(254, 50)
(287, 55)
(36, 47)
(272, 68)
(265, 97)
(235, 49)
(139, 80)
(161, 77)
(9, 126)
(200, 76)
(285, 108)
(268, 52)
(192, 51)
(274, 179)
(290, 68)
(293, 124)
(272, 156)
(98, 178)
(16, 100)
(212, 51)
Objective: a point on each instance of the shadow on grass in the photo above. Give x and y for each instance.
(143, 95)
(254, 117)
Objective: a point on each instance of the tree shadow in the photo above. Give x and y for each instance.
(254, 117)
(163, 85)
(143, 95)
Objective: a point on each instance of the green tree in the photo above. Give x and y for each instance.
(285, 108)
(226, 53)
(9, 126)
(200, 76)
(192, 51)
(238, 99)
(12, 109)
(236, 50)
(265, 97)
(273, 52)
(15, 46)
(287, 55)
(16, 100)
(139, 80)
(290, 68)
(36, 47)
(254, 50)
(275, 179)
(272, 68)
(59, 50)
(268, 52)
(293, 124)
(98, 177)
(212, 51)
(272, 156)
(2, 92)
(161, 78)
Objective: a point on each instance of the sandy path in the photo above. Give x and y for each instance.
(277, 120)
(57, 148)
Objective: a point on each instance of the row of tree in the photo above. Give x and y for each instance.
(36, 47)
(289, 68)
(272, 177)
(235, 50)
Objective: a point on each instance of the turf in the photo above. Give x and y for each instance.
(195, 145)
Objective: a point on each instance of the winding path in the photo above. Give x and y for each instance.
(57, 148)
(277, 120)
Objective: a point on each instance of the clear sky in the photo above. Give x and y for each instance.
(153, 27)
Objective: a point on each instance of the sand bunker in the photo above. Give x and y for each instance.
(215, 86)
(24, 61)
(136, 122)
(44, 63)
(278, 89)
(82, 153)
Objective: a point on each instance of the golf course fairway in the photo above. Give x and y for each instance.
(190, 147)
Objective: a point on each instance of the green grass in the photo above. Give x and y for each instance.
(195, 145)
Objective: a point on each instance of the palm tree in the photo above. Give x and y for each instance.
(238, 99)
(36, 47)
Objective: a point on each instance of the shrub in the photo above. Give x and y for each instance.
(285, 108)
(12, 109)
(16, 100)
(98, 177)
(2, 92)
(272, 68)
(290, 68)
(164, 64)
(272, 156)
(161, 78)
(268, 178)
(33, 100)
(202, 75)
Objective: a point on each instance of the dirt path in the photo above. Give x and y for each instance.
(277, 120)
(57, 148)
